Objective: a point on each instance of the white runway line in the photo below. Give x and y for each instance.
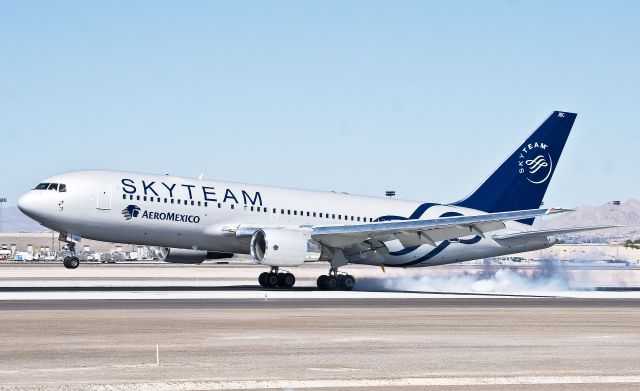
(132, 294)
(342, 384)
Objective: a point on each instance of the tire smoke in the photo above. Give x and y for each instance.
(549, 276)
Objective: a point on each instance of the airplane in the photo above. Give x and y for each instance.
(191, 220)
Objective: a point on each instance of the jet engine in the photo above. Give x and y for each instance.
(180, 255)
(285, 247)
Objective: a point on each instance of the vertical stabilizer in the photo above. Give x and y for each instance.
(522, 180)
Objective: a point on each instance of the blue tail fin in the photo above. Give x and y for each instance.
(521, 181)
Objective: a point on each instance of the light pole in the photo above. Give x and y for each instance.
(617, 204)
(2, 201)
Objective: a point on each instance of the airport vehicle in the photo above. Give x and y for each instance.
(196, 219)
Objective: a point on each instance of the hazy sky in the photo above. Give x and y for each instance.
(425, 98)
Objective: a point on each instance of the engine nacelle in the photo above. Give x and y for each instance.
(181, 255)
(284, 247)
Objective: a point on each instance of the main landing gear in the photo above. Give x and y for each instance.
(335, 281)
(274, 279)
(71, 262)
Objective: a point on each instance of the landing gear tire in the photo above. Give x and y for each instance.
(262, 279)
(348, 282)
(275, 279)
(71, 262)
(272, 280)
(331, 282)
(321, 282)
(288, 281)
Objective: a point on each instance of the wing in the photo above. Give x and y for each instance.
(532, 235)
(416, 232)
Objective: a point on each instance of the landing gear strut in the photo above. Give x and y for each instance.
(335, 281)
(71, 262)
(274, 279)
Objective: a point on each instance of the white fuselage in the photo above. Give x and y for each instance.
(168, 211)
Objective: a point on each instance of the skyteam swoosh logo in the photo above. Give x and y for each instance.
(535, 163)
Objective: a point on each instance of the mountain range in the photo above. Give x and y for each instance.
(627, 214)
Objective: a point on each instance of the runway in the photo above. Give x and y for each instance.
(380, 340)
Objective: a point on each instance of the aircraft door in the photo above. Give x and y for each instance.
(104, 196)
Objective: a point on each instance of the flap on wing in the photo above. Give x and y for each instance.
(422, 231)
(545, 233)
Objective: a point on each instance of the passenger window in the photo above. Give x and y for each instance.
(144, 198)
(137, 198)
(252, 208)
(172, 200)
(351, 218)
(358, 218)
(62, 188)
(274, 210)
(131, 197)
(165, 200)
(281, 211)
(295, 212)
(219, 205)
(205, 203)
(124, 196)
(233, 206)
(199, 204)
(193, 203)
(314, 214)
(320, 214)
(288, 211)
(333, 216)
(151, 199)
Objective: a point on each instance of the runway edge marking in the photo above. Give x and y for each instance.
(352, 383)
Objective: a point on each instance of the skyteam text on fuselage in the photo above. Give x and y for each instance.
(191, 220)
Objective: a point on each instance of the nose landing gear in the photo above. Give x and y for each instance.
(274, 279)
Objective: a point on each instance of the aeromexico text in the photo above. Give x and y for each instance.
(170, 216)
(190, 192)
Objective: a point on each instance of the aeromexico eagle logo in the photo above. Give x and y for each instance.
(130, 211)
(535, 162)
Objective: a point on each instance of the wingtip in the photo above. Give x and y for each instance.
(551, 211)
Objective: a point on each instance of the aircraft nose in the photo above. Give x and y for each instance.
(26, 204)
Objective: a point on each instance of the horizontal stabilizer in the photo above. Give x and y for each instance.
(550, 232)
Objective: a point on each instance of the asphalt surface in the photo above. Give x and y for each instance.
(238, 341)
(78, 344)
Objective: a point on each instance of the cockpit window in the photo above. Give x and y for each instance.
(60, 187)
